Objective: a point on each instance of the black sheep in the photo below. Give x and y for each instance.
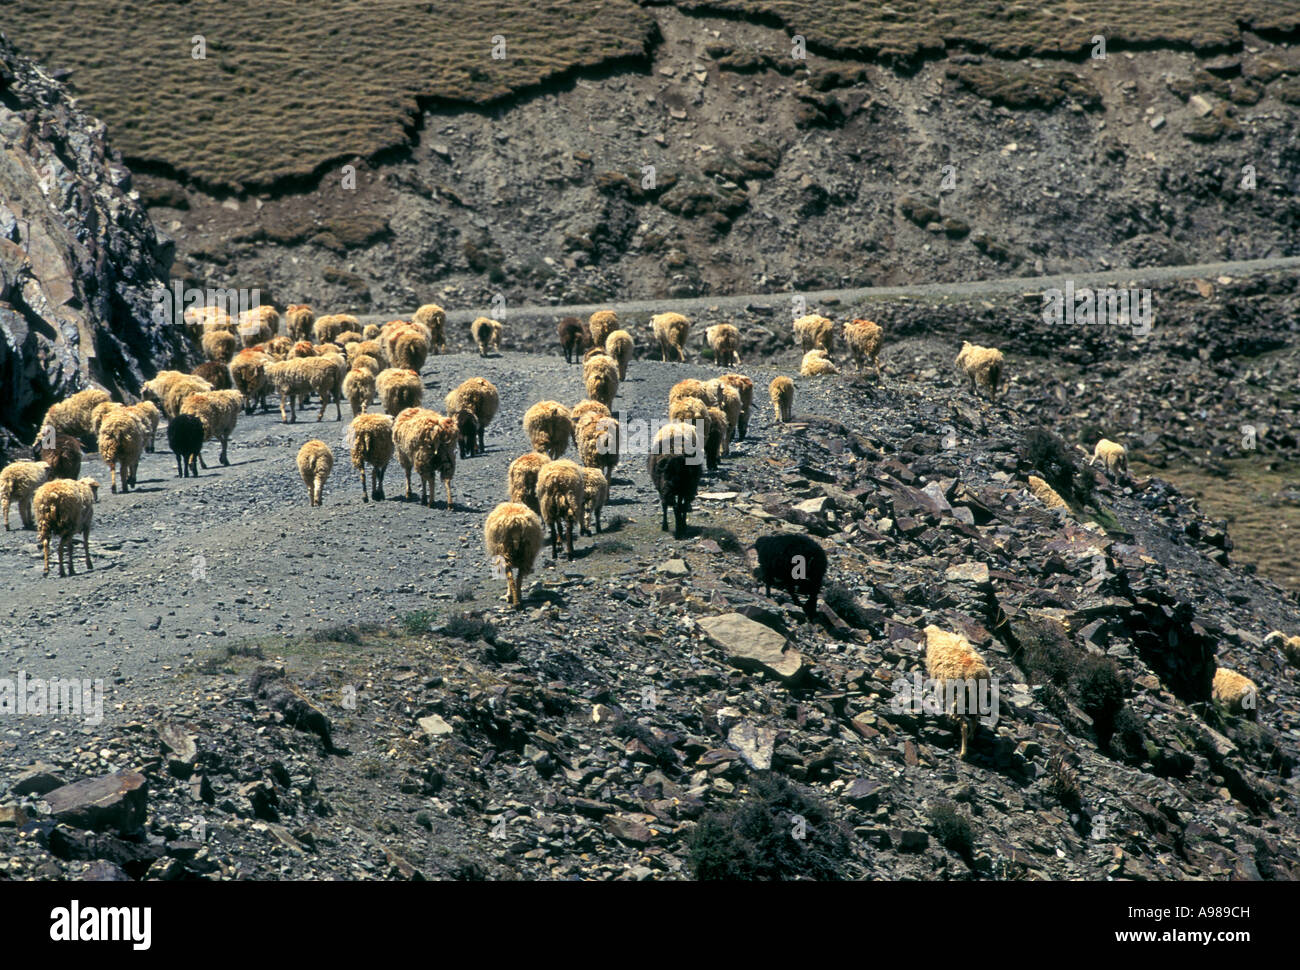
(575, 337)
(185, 437)
(677, 479)
(470, 433)
(795, 563)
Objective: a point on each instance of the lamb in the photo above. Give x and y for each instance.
(952, 662)
(398, 390)
(219, 412)
(671, 330)
(794, 563)
(815, 331)
(219, 345)
(434, 318)
(588, 409)
(359, 389)
(781, 391)
(598, 444)
(62, 452)
(487, 334)
(467, 432)
(372, 444)
(574, 338)
(817, 364)
(170, 388)
(1112, 454)
(371, 331)
(217, 375)
(715, 435)
(513, 536)
(600, 325)
(1046, 494)
(983, 365)
(315, 462)
(72, 414)
(306, 375)
(724, 339)
(298, 320)
(560, 496)
(64, 508)
(595, 493)
(326, 328)
(1237, 693)
(521, 479)
(675, 470)
(248, 374)
(185, 437)
(18, 483)
(745, 388)
(619, 346)
(730, 404)
(479, 396)
(600, 375)
(864, 338)
(549, 428)
(121, 441)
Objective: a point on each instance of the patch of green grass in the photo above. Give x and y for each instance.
(951, 828)
(419, 621)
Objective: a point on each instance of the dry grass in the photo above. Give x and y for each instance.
(289, 87)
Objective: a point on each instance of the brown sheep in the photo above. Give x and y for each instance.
(574, 336)
(724, 339)
(218, 375)
(219, 345)
(671, 330)
(478, 396)
(248, 373)
(486, 334)
(398, 390)
(600, 325)
(513, 536)
(781, 392)
(315, 462)
(549, 428)
(434, 318)
(521, 479)
(62, 452)
(600, 374)
(864, 338)
(560, 497)
(298, 320)
(65, 508)
(372, 444)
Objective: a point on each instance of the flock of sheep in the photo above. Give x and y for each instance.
(333, 357)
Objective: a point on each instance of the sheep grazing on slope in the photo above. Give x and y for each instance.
(598, 444)
(1290, 646)
(744, 387)
(574, 338)
(1111, 454)
(398, 390)
(549, 428)
(619, 346)
(62, 452)
(18, 483)
(434, 318)
(372, 444)
(864, 338)
(298, 320)
(600, 325)
(560, 496)
(951, 660)
(185, 437)
(724, 340)
(983, 365)
(72, 414)
(781, 392)
(486, 334)
(121, 441)
(303, 376)
(315, 462)
(219, 346)
(600, 375)
(671, 330)
(715, 435)
(794, 563)
(1046, 494)
(359, 389)
(815, 331)
(730, 404)
(65, 508)
(248, 374)
(219, 413)
(588, 409)
(479, 396)
(674, 467)
(1237, 693)
(513, 536)
(170, 388)
(217, 375)
(816, 364)
(521, 479)
(595, 493)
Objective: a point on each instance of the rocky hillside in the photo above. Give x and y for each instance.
(78, 255)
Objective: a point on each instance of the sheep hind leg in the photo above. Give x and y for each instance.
(447, 484)
(66, 543)
(85, 540)
(377, 478)
(45, 548)
(222, 457)
(365, 495)
(568, 537)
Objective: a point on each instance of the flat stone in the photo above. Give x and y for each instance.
(36, 780)
(752, 646)
(435, 726)
(718, 496)
(754, 742)
(975, 573)
(112, 801)
(674, 567)
(813, 506)
(12, 817)
(628, 829)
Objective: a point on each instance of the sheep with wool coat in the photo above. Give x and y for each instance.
(512, 535)
(64, 509)
(315, 462)
(18, 483)
(372, 444)
(794, 563)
